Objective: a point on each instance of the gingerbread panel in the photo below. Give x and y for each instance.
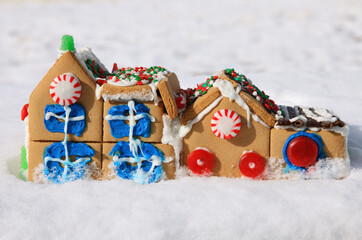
(155, 134)
(37, 151)
(167, 150)
(333, 143)
(41, 101)
(227, 151)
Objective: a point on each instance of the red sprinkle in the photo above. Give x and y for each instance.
(100, 82)
(139, 83)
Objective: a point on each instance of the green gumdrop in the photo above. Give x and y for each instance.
(67, 43)
(23, 163)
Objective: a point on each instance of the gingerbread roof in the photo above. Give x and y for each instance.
(201, 97)
(307, 117)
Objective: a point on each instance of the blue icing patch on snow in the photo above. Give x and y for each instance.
(142, 175)
(315, 137)
(53, 124)
(119, 128)
(55, 172)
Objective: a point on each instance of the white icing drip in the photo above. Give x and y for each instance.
(99, 92)
(170, 135)
(156, 99)
(257, 119)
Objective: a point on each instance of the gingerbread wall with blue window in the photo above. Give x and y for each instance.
(67, 136)
(46, 124)
(146, 138)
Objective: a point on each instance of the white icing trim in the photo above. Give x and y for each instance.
(325, 115)
(86, 53)
(227, 90)
(170, 135)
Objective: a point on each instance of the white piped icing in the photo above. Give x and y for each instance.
(170, 135)
(227, 90)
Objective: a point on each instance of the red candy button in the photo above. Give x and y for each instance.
(200, 161)
(302, 151)
(251, 165)
(24, 111)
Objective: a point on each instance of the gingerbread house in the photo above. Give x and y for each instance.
(138, 124)
(84, 120)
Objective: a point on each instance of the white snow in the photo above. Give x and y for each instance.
(301, 53)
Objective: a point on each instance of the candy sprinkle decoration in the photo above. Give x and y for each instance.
(225, 124)
(65, 89)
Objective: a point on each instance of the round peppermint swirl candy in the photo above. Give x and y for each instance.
(225, 124)
(65, 89)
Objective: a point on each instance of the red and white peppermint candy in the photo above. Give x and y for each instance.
(225, 124)
(65, 89)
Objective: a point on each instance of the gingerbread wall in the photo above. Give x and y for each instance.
(227, 152)
(333, 143)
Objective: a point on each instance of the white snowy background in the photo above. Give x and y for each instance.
(300, 52)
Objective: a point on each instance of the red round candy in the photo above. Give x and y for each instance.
(302, 151)
(200, 161)
(251, 165)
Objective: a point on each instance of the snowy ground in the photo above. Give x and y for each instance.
(307, 53)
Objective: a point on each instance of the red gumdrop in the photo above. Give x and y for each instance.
(200, 161)
(302, 151)
(251, 165)
(24, 111)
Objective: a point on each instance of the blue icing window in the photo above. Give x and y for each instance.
(117, 116)
(71, 170)
(146, 167)
(54, 113)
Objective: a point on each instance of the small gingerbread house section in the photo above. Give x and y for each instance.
(231, 128)
(84, 120)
